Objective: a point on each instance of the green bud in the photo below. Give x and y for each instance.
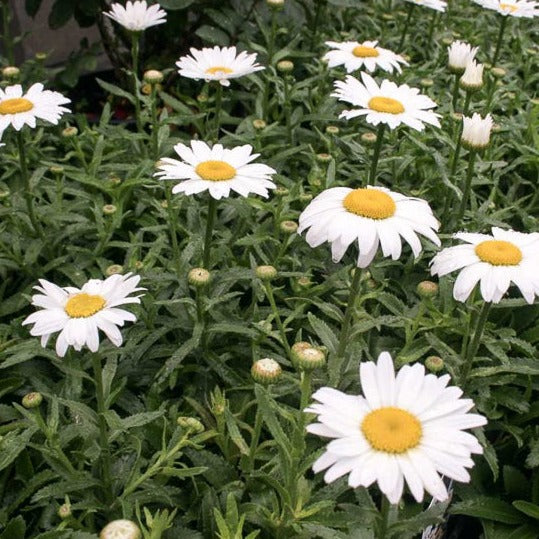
(109, 209)
(32, 400)
(190, 423)
(369, 139)
(120, 529)
(153, 76)
(199, 277)
(427, 289)
(285, 66)
(266, 273)
(266, 371)
(434, 364)
(288, 227)
(259, 124)
(70, 132)
(114, 269)
(64, 511)
(307, 356)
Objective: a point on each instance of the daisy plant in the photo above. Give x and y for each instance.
(219, 171)
(439, 6)
(459, 55)
(385, 105)
(372, 217)
(19, 108)
(407, 428)
(494, 261)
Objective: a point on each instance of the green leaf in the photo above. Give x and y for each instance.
(115, 90)
(12, 444)
(175, 4)
(488, 508)
(183, 472)
(16, 529)
(61, 12)
(528, 508)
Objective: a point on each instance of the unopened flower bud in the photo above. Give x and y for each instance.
(57, 169)
(459, 55)
(190, 423)
(139, 264)
(259, 124)
(457, 116)
(281, 191)
(305, 197)
(41, 56)
(198, 277)
(427, 289)
(447, 41)
(275, 4)
(288, 227)
(476, 131)
(434, 363)
(109, 209)
(153, 76)
(426, 83)
(202, 98)
(70, 132)
(115, 180)
(332, 130)
(472, 79)
(265, 371)
(308, 357)
(323, 157)
(304, 282)
(4, 193)
(285, 66)
(64, 511)
(11, 72)
(369, 139)
(496, 128)
(498, 72)
(114, 269)
(120, 529)
(265, 273)
(32, 400)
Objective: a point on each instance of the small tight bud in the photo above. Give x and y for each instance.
(304, 282)
(369, 139)
(41, 56)
(64, 511)
(332, 130)
(281, 191)
(56, 169)
(307, 356)
(265, 371)
(11, 72)
(426, 83)
(434, 363)
(266, 273)
(32, 400)
(114, 269)
(70, 132)
(323, 157)
(4, 193)
(427, 289)
(198, 277)
(285, 66)
(275, 4)
(259, 124)
(109, 209)
(498, 72)
(152, 76)
(190, 423)
(288, 227)
(120, 529)
(305, 197)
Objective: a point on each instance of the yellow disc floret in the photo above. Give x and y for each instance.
(498, 253)
(219, 69)
(386, 104)
(365, 52)
(392, 430)
(84, 305)
(370, 203)
(15, 105)
(215, 171)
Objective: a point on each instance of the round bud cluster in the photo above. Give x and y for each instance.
(266, 273)
(32, 400)
(308, 357)
(265, 371)
(120, 529)
(198, 277)
(190, 423)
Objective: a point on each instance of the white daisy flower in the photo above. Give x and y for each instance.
(78, 314)
(472, 79)
(217, 170)
(387, 103)
(404, 428)
(476, 131)
(372, 216)
(354, 56)
(495, 261)
(219, 64)
(136, 16)
(512, 8)
(437, 5)
(460, 54)
(18, 109)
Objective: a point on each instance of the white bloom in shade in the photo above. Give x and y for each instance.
(476, 131)
(354, 56)
(373, 216)
(408, 427)
(512, 8)
(387, 103)
(472, 79)
(217, 170)
(495, 261)
(460, 54)
(137, 16)
(438, 5)
(18, 109)
(120, 529)
(220, 64)
(78, 314)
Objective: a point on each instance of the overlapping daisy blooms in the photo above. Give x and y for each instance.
(404, 428)
(136, 16)
(354, 55)
(495, 261)
(459, 55)
(388, 103)
(78, 314)
(512, 8)
(19, 109)
(437, 5)
(217, 170)
(373, 217)
(217, 64)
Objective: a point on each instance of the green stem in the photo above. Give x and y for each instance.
(406, 24)
(254, 440)
(459, 136)
(218, 106)
(273, 32)
(103, 429)
(345, 330)
(275, 311)
(499, 40)
(467, 186)
(474, 346)
(155, 123)
(384, 519)
(431, 29)
(173, 225)
(320, 5)
(6, 34)
(28, 195)
(456, 90)
(134, 65)
(287, 110)
(212, 211)
(306, 390)
(376, 153)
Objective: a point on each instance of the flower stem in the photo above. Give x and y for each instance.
(499, 41)
(456, 91)
(28, 195)
(384, 519)
(254, 440)
(212, 211)
(134, 66)
(431, 29)
(155, 123)
(6, 34)
(218, 106)
(467, 186)
(406, 24)
(459, 136)
(474, 346)
(275, 311)
(103, 430)
(376, 154)
(173, 225)
(320, 5)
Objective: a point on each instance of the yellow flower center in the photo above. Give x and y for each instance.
(15, 105)
(365, 52)
(498, 253)
(508, 7)
(215, 171)
(392, 430)
(386, 104)
(84, 305)
(219, 69)
(370, 203)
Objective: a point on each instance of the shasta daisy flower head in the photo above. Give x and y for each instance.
(220, 64)
(217, 170)
(18, 108)
(354, 56)
(495, 261)
(137, 16)
(78, 314)
(476, 131)
(460, 54)
(472, 78)
(388, 103)
(512, 8)
(437, 5)
(371, 217)
(404, 428)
